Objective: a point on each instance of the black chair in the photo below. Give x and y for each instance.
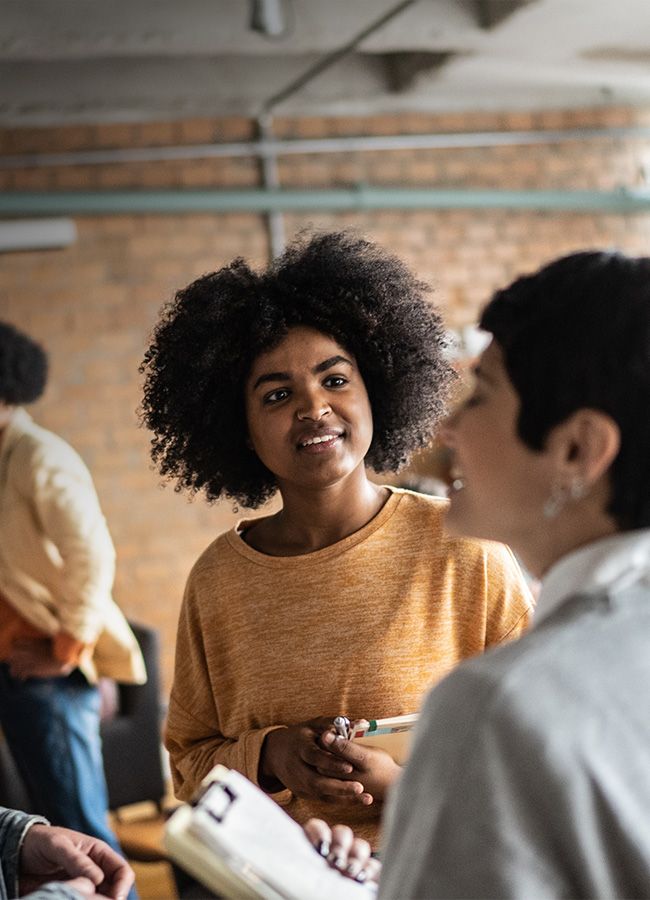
(131, 737)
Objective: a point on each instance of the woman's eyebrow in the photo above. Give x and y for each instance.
(272, 376)
(328, 363)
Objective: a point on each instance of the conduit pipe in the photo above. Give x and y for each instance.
(269, 148)
(260, 200)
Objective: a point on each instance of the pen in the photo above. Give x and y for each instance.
(342, 726)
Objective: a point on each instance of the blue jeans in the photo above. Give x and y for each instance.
(52, 729)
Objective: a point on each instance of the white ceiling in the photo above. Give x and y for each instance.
(66, 61)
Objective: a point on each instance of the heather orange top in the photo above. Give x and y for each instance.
(361, 628)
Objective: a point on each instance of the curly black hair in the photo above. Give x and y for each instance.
(23, 367)
(208, 337)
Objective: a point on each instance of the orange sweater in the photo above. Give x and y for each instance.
(361, 628)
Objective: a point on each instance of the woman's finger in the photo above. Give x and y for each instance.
(319, 835)
(342, 840)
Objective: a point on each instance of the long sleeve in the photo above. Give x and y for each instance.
(194, 734)
(68, 510)
(466, 822)
(13, 827)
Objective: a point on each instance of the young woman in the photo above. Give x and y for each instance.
(529, 775)
(350, 600)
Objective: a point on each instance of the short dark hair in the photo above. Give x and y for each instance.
(23, 367)
(208, 336)
(576, 334)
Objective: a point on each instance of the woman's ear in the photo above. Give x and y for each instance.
(584, 446)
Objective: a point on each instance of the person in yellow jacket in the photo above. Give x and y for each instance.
(60, 628)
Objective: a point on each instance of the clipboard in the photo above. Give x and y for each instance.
(240, 844)
(393, 735)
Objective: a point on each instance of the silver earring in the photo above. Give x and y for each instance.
(560, 495)
(555, 502)
(577, 488)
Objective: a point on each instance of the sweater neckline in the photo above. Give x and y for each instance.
(239, 545)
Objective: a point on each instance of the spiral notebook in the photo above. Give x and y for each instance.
(240, 844)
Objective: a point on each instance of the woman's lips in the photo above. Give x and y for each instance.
(320, 443)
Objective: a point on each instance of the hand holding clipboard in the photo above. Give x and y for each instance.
(239, 843)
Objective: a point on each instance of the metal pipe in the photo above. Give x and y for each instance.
(361, 198)
(445, 141)
(271, 180)
(326, 61)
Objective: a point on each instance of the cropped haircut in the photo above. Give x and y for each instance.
(23, 367)
(576, 334)
(210, 334)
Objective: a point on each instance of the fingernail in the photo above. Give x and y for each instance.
(335, 859)
(353, 868)
(324, 848)
(328, 738)
(361, 876)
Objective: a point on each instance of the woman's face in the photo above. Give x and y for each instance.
(308, 412)
(501, 484)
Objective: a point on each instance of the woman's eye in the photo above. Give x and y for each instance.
(335, 381)
(276, 396)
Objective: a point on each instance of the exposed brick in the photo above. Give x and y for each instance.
(94, 305)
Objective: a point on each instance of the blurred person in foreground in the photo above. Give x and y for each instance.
(40, 861)
(529, 772)
(59, 626)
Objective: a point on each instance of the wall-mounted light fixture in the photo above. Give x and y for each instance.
(269, 17)
(36, 234)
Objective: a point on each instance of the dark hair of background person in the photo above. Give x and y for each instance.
(23, 367)
(576, 334)
(210, 334)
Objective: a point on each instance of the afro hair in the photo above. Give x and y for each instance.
(207, 338)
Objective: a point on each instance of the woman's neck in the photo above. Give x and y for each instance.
(313, 519)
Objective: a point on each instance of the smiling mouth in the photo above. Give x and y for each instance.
(323, 439)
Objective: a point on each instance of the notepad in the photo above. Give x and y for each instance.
(392, 735)
(239, 843)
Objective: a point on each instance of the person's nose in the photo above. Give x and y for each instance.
(312, 406)
(447, 430)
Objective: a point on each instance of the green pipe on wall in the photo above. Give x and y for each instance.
(262, 200)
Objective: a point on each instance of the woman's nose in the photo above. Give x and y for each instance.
(312, 406)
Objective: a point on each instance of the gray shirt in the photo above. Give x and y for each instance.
(530, 772)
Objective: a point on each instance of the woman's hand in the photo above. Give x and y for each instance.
(293, 758)
(343, 851)
(374, 768)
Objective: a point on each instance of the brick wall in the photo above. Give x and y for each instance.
(94, 304)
